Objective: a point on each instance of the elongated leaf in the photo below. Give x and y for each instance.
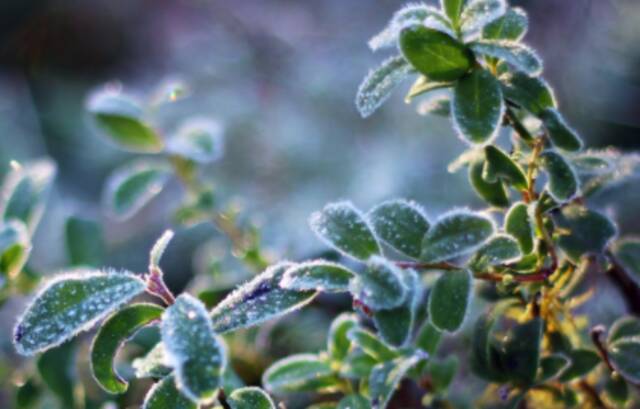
(531, 93)
(357, 365)
(199, 140)
(15, 247)
(522, 352)
(371, 345)
(395, 325)
(561, 134)
(624, 355)
(563, 181)
(258, 300)
(517, 55)
(590, 231)
(624, 327)
(434, 54)
(411, 13)
(519, 224)
(343, 227)
(386, 377)
(401, 224)
(452, 8)
(297, 373)
(25, 190)
(477, 107)
(84, 242)
(159, 248)
(121, 117)
(379, 83)
(353, 402)
(552, 366)
(479, 13)
(72, 303)
(164, 394)
(193, 349)
(500, 165)
(494, 192)
(583, 361)
(449, 300)
(627, 252)
(501, 249)
(112, 334)
(153, 365)
(380, 285)
(512, 26)
(57, 369)
(317, 275)
(250, 398)
(338, 343)
(456, 233)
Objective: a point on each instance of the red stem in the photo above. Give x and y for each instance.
(156, 286)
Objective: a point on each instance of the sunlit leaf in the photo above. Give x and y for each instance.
(164, 394)
(379, 83)
(479, 13)
(449, 299)
(501, 249)
(386, 377)
(563, 181)
(521, 57)
(250, 398)
(380, 285)
(357, 365)
(371, 345)
(395, 325)
(401, 224)
(159, 248)
(512, 25)
(494, 193)
(590, 231)
(84, 242)
(338, 343)
(531, 93)
(500, 165)
(519, 224)
(199, 140)
(15, 247)
(561, 134)
(411, 13)
(452, 9)
(317, 275)
(296, 373)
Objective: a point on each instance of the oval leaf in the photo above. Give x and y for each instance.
(531, 93)
(379, 83)
(500, 165)
(318, 275)
(371, 345)
(395, 325)
(512, 26)
(250, 398)
(338, 344)
(518, 223)
(479, 13)
(624, 355)
(297, 373)
(563, 181)
(401, 224)
(380, 285)
(72, 303)
(590, 231)
(199, 140)
(164, 394)
(561, 134)
(624, 327)
(517, 55)
(449, 300)
(493, 193)
(501, 249)
(415, 12)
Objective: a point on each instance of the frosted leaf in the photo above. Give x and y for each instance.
(519, 223)
(627, 252)
(317, 275)
(122, 119)
(118, 328)
(193, 349)
(561, 134)
(512, 26)
(379, 83)
(159, 247)
(452, 8)
(396, 325)
(371, 344)
(449, 300)
(495, 193)
(477, 107)
(385, 379)
(563, 181)
(501, 249)
(593, 162)
(165, 394)
(415, 12)
(466, 158)
(590, 231)
(153, 365)
(338, 344)
(259, 300)
(343, 227)
(380, 285)
(626, 166)
(198, 139)
(357, 365)
(515, 54)
(84, 242)
(435, 104)
(479, 13)
(401, 224)
(15, 247)
(297, 373)
(456, 233)
(72, 303)
(250, 398)
(531, 93)
(499, 165)
(132, 186)
(25, 190)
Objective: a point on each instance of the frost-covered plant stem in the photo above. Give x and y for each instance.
(157, 287)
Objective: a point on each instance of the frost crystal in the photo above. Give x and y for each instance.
(518, 55)
(380, 285)
(164, 395)
(258, 300)
(479, 13)
(318, 275)
(152, 365)
(193, 349)
(411, 13)
(378, 84)
(72, 303)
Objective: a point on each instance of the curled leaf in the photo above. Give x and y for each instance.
(379, 83)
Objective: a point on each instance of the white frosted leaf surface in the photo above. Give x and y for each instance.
(479, 13)
(166, 395)
(258, 300)
(401, 224)
(513, 25)
(395, 325)
(318, 275)
(345, 228)
(198, 139)
(562, 179)
(380, 285)
(518, 55)
(411, 13)
(250, 398)
(153, 365)
(386, 377)
(378, 84)
(193, 349)
(298, 373)
(159, 247)
(72, 303)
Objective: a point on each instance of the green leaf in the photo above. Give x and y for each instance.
(386, 377)
(193, 349)
(561, 134)
(259, 300)
(500, 165)
(593, 162)
(624, 355)
(519, 56)
(379, 83)
(15, 247)
(401, 224)
(627, 253)
(563, 181)
(435, 54)
(343, 227)
(521, 355)
(617, 389)
(452, 9)
(132, 186)
(164, 394)
(153, 364)
(479, 13)
(456, 233)
(395, 325)
(442, 372)
(449, 299)
(199, 140)
(112, 334)
(371, 345)
(485, 358)
(552, 366)
(121, 118)
(338, 343)
(477, 107)
(72, 303)
(380, 285)
(493, 193)
(530, 93)
(583, 361)
(318, 275)
(298, 373)
(518, 223)
(250, 398)
(353, 402)
(624, 327)
(57, 369)
(501, 249)
(24, 192)
(159, 248)
(84, 242)
(590, 231)
(428, 338)
(28, 395)
(358, 365)
(512, 26)
(411, 13)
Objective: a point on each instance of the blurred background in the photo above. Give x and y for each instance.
(281, 75)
